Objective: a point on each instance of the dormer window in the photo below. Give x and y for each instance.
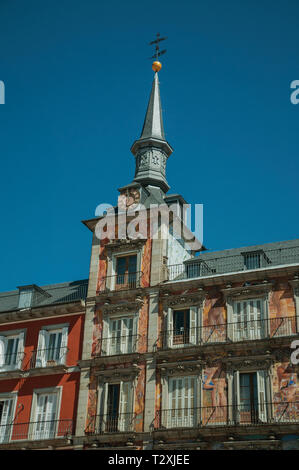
(25, 298)
(255, 259)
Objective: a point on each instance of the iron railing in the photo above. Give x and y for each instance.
(229, 332)
(114, 345)
(208, 265)
(121, 282)
(12, 361)
(36, 430)
(111, 423)
(48, 357)
(228, 415)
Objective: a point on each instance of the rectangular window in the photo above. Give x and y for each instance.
(122, 339)
(119, 416)
(45, 422)
(126, 272)
(250, 393)
(6, 417)
(11, 351)
(182, 327)
(52, 347)
(182, 403)
(25, 298)
(248, 322)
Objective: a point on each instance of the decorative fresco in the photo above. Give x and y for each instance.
(285, 392)
(282, 310)
(214, 319)
(214, 395)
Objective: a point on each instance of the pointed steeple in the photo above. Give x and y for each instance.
(152, 150)
(153, 122)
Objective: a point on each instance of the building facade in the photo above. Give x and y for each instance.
(166, 346)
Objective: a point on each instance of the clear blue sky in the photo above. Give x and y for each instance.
(78, 78)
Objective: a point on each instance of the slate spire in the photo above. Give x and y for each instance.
(152, 150)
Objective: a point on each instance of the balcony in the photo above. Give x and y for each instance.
(120, 282)
(111, 423)
(211, 264)
(116, 345)
(229, 332)
(230, 415)
(35, 430)
(50, 357)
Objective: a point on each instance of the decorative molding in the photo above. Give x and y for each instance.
(109, 375)
(124, 307)
(248, 290)
(190, 367)
(124, 244)
(245, 363)
(185, 299)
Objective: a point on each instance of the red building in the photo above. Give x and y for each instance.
(41, 332)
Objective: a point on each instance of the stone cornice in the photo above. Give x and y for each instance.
(185, 299)
(122, 307)
(248, 290)
(27, 314)
(123, 373)
(121, 245)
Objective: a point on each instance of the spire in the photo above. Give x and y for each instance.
(153, 122)
(152, 150)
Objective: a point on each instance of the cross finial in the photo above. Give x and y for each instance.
(156, 64)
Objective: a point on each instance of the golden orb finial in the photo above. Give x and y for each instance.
(156, 66)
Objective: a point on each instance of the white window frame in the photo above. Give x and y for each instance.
(264, 318)
(4, 337)
(194, 336)
(33, 414)
(112, 280)
(43, 343)
(263, 409)
(107, 331)
(25, 292)
(166, 399)
(8, 396)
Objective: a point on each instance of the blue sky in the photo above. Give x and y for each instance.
(78, 78)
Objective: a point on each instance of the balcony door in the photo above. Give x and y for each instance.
(6, 410)
(126, 272)
(46, 415)
(121, 336)
(119, 407)
(182, 403)
(247, 321)
(250, 397)
(181, 327)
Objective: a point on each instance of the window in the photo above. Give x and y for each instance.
(25, 298)
(247, 322)
(6, 417)
(45, 420)
(11, 351)
(118, 405)
(182, 327)
(252, 260)
(122, 335)
(250, 397)
(126, 272)
(52, 347)
(182, 402)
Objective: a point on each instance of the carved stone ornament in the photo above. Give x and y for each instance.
(124, 244)
(123, 307)
(183, 299)
(246, 363)
(126, 373)
(191, 367)
(248, 290)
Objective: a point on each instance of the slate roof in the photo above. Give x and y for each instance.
(58, 294)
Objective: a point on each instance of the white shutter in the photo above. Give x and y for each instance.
(236, 400)
(193, 325)
(135, 333)
(261, 390)
(41, 354)
(125, 406)
(3, 347)
(6, 419)
(63, 345)
(169, 334)
(45, 427)
(20, 352)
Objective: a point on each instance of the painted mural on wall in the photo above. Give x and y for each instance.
(285, 392)
(214, 395)
(282, 311)
(214, 319)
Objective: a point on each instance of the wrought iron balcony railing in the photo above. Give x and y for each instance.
(11, 361)
(121, 282)
(48, 357)
(111, 423)
(36, 430)
(208, 265)
(228, 415)
(115, 345)
(229, 332)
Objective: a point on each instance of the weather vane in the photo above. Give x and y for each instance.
(156, 66)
